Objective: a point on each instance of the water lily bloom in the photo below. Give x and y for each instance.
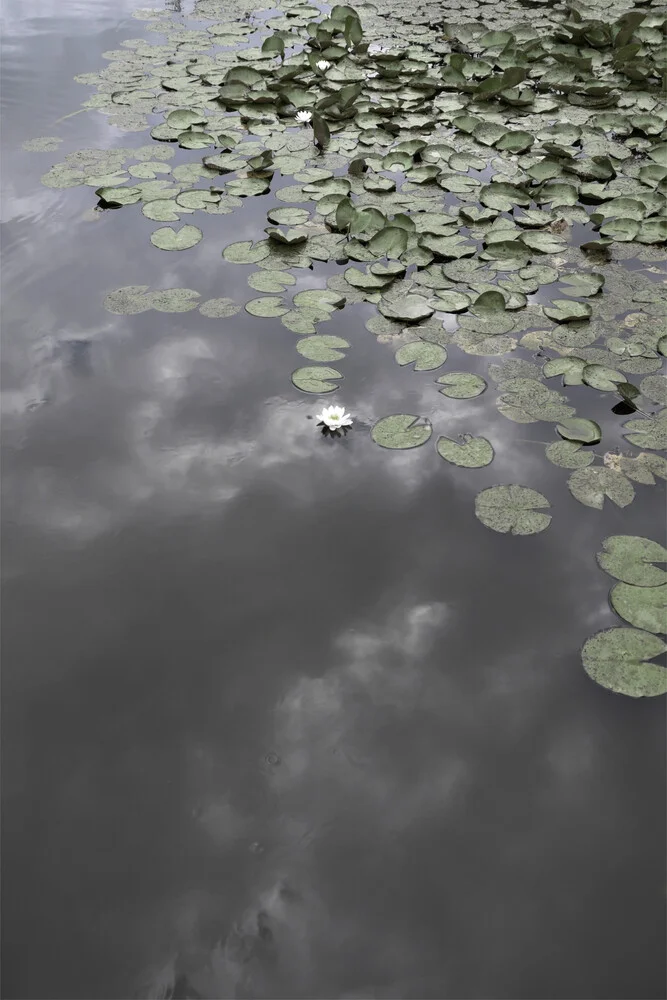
(304, 116)
(334, 417)
(323, 64)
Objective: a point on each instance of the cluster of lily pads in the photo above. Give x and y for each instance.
(447, 166)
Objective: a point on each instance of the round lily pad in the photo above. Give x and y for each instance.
(322, 347)
(246, 252)
(461, 385)
(643, 607)
(426, 356)
(469, 452)
(219, 308)
(617, 659)
(512, 509)
(316, 378)
(580, 429)
(631, 558)
(409, 309)
(401, 430)
(168, 238)
(266, 307)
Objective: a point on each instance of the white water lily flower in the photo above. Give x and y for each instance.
(304, 116)
(334, 417)
(323, 64)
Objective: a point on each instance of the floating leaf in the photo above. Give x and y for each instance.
(168, 238)
(567, 310)
(617, 660)
(649, 432)
(316, 378)
(582, 283)
(569, 455)
(246, 252)
(426, 356)
(571, 368)
(219, 308)
(410, 308)
(469, 453)
(389, 242)
(173, 300)
(271, 281)
(322, 347)
(512, 509)
(267, 307)
(643, 607)
(630, 558)
(401, 430)
(452, 302)
(128, 301)
(654, 387)
(590, 486)
(461, 385)
(601, 377)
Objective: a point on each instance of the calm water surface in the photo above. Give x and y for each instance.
(280, 717)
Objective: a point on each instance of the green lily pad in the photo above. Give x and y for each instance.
(248, 187)
(590, 486)
(582, 283)
(643, 607)
(601, 377)
(568, 310)
(174, 300)
(469, 452)
(246, 252)
(271, 281)
(322, 347)
(401, 430)
(316, 378)
(409, 309)
(648, 432)
(288, 216)
(451, 302)
(219, 308)
(654, 387)
(617, 660)
(425, 355)
(267, 307)
(461, 385)
(570, 367)
(128, 301)
(569, 455)
(631, 558)
(512, 509)
(168, 238)
(389, 242)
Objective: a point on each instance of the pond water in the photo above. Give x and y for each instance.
(281, 717)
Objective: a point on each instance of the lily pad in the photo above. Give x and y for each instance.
(568, 310)
(246, 252)
(617, 660)
(168, 238)
(316, 378)
(569, 455)
(219, 308)
(512, 509)
(590, 486)
(409, 309)
(401, 430)
(469, 452)
(631, 558)
(643, 607)
(426, 356)
(648, 432)
(461, 385)
(322, 347)
(266, 307)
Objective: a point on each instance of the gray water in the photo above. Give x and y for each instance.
(280, 717)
